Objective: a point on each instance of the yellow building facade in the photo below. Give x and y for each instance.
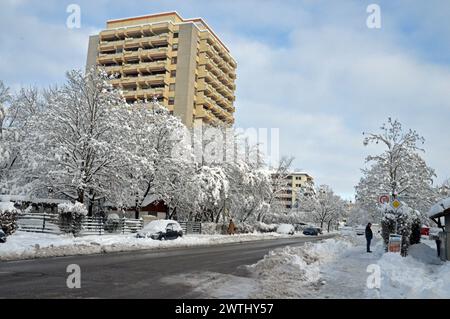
(293, 182)
(181, 62)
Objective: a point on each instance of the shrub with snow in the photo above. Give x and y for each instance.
(399, 222)
(112, 223)
(71, 217)
(265, 228)
(8, 218)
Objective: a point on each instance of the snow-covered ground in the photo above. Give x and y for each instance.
(289, 272)
(332, 268)
(23, 245)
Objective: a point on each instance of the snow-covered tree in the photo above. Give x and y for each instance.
(278, 176)
(323, 207)
(75, 146)
(27, 103)
(154, 143)
(398, 171)
(5, 149)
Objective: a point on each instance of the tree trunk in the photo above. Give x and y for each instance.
(136, 212)
(80, 195)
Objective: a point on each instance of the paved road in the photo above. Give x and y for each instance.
(132, 274)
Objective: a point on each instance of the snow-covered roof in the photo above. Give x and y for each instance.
(23, 198)
(438, 209)
(149, 199)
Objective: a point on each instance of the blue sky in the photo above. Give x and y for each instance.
(311, 68)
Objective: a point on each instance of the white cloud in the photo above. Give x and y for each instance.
(311, 68)
(328, 85)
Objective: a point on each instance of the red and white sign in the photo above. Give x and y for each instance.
(384, 199)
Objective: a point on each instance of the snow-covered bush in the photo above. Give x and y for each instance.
(399, 222)
(71, 217)
(8, 218)
(245, 228)
(265, 228)
(213, 228)
(112, 223)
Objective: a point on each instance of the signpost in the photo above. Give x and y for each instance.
(396, 204)
(384, 199)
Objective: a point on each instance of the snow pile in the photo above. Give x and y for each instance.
(419, 275)
(287, 271)
(439, 207)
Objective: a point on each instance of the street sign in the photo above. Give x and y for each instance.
(396, 204)
(395, 243)
(384, 199)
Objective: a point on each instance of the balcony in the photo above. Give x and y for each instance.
(152, 40)
(112, 69)
(110, 45)
(146, 66)
(152, 79)
(109, 57)
(143, 93)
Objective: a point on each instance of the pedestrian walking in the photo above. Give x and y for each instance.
(369, 236)
(231, 228)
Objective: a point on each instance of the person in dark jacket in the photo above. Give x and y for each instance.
(369, 236)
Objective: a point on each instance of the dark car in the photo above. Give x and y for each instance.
(161, 230)
(311, 231)
(2, 236)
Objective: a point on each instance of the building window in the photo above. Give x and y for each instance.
(173, 73)
(175, 35)
(171, 101)
(172, 87)
(171, 112)
(174, 60)
(175, 47)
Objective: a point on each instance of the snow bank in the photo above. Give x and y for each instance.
(23, 245)
(287, 271)
(419, 275)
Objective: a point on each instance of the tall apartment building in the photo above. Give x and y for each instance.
(181, 62)
(292, 184)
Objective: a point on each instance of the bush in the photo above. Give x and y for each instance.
(8, 218)
(112, 223)
(245, 228)
(404, 220)
(71, 217)
(266, 228)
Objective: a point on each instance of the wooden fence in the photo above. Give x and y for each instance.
(191, 227)
(49, 223)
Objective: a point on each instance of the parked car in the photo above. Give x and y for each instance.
(311, 231)
(161, 230)
(286, 229)
(2, 236)
(346, 231)
(360, 230)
